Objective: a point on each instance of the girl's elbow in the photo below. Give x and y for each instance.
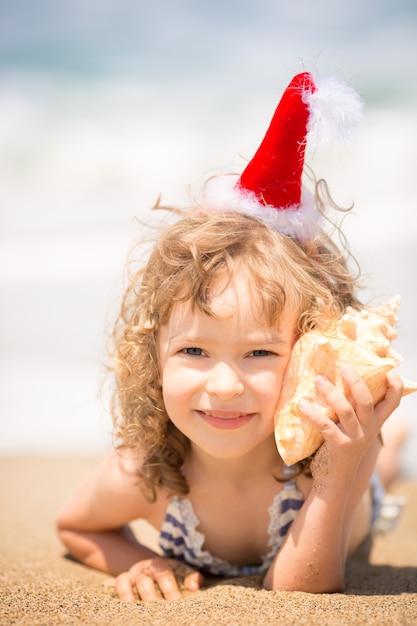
(62, 527)
(76, 544)
(60, 523)
(68, 535)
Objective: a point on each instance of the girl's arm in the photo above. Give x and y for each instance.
(313, 555)
(93, 525)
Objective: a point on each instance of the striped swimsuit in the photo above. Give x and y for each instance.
(180, 539)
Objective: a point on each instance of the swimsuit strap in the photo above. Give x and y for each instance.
(180, 538)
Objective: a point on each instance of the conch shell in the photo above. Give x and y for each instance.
(359, 338)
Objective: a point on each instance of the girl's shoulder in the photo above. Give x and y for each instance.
(109, 496)
(121, 476)
(116, 483)
(126, 462)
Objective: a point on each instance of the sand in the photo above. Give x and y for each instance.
(39, 586)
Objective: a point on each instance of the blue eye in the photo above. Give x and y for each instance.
(193, 351)
(261, 353)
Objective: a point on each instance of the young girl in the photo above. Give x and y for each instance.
(205, 335)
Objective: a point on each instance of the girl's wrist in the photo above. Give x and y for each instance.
(330, 477)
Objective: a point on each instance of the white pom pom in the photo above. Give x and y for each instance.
(335, 112)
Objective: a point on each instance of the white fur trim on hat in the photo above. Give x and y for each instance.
(223, 194)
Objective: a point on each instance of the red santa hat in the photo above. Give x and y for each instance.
(317, 111)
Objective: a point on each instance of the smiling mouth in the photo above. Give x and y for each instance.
(227, 420)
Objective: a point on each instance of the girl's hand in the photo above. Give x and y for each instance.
(154, 577)
(359, 422)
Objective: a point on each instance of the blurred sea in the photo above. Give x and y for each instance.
(105, 105)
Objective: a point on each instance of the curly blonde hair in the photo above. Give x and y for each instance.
(311, 281)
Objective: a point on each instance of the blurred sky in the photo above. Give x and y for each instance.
(105, 104)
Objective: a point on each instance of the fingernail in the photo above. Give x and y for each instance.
(193, 584)
(347, 370)
(304, 405)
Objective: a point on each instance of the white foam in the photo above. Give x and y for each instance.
(73, 179)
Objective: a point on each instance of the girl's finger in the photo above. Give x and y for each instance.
(344, 409)
(146, 588)
(124, 589)
(167, 584)
(320, 420)
(193, 581)
(361, 397)
(357, 385)
(392, 397)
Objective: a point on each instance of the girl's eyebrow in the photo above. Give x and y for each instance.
(188, 339)
(273, 339)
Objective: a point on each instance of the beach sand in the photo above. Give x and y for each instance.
(39, 586)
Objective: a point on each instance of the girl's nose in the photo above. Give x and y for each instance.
(224, 381)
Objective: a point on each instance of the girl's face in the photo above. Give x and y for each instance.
(222, 376)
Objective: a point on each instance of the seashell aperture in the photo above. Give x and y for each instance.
(361, 338)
